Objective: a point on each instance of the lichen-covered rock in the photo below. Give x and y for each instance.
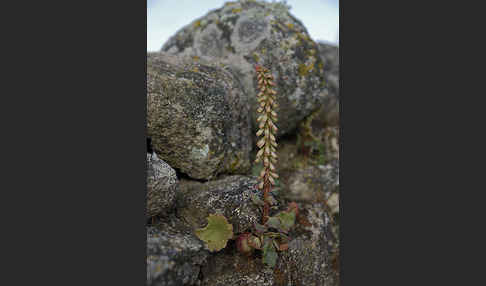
(314, 183)
(330, 57)
(230, 196)
(227, 268)
(311, 259)
(313, 253)
(197, 116)
(161, 186)
(242, 34)
(174, 257)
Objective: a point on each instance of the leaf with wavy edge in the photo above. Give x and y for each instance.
(217, 232)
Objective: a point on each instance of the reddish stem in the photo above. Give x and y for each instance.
(266, 206)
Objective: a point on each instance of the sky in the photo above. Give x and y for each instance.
(166, 17)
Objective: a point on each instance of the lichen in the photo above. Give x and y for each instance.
(200, 153)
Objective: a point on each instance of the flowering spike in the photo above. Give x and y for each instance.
(266, 107)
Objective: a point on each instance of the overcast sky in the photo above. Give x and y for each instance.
(166, 17)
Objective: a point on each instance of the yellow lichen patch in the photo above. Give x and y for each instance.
(256, 57)
(197, 24)
(229, 3)
(302, 36)
(290, 25)
(235, 164)
(195, 69)
(196, 58)
(305, 69)
(236, 10)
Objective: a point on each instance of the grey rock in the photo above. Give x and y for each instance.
(312, 255)
(314, 183)
(245, 33)
(230, 196)
(226, 268)
(161, 186)
(330, 57)
(174, 257)
(310, 260)
(197, 116)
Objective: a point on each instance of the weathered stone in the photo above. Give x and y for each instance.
(313, 252)
(230, 196)
(314, 183)
(174, 257)
(310, 260)
(245, 33)
(161, 186)
(330, 109)
(197, 116)
(228, 268)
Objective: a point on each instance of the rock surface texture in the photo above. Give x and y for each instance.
(230, 196)
(161, 186)
(310, 259)
(314, 182)
(197, 116)
(174, 257)
(330, 57)
(245, 33)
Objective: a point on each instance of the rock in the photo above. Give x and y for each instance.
(330, 57)
(312, 254)
(174, 257)
(226, 268)
(230, 196)
(310, 259)
(197, 116)
(314, 183)
(161, 186)
(245, 33)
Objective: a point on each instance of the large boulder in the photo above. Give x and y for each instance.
(230, 196)
(161, 186)
(197, 116)
(245, 33)
(174, 256)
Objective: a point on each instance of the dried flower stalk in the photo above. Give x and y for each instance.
(267, 129)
